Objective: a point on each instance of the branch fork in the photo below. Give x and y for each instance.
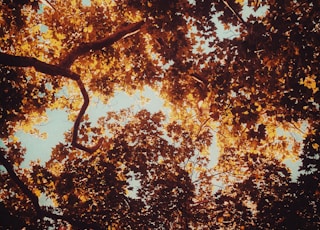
(63, 69)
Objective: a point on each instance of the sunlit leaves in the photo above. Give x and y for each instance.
(88, 29)
(255, 93)
(310, 83)
(31, 120)
(10, 104)
(23, 98)
(241, 2)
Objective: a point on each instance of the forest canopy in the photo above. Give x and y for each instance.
(240, 85)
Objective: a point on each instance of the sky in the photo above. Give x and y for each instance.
(57, 121)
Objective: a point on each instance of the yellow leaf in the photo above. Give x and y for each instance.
(65, 197)
(310, 83)
(258, 109)
(73, 3)
(44, 135)
(127, 66)
(83, 198)
(47, 35)
(189, 167)
(72, 116)
(240, 2)
(55, 203)
(121, 177)
(56, 168)
(271, 131)
(35, 29)
(37, 192)
(190, 97)
(315, 146)
(199, 169)
(60, 36)
(144, 100)
(88, 29)
(25, 46)
(77, 104)
(15, 139)
(205, 152)
(27, 127)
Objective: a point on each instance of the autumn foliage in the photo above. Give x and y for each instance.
(240, 85)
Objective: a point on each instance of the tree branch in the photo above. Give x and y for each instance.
(63, 69)
(84, 48)
(35, 201)
(33, 198)
(19, 61)
(76, 125)
(240, 19)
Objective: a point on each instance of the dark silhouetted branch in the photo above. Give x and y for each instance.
(41, 212)
(99, 44)
(19, 61)
(33, 198)
(240, 19)
(63, 70)
(76, 125)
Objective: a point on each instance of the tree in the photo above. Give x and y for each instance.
(307, 191)
(255, 93)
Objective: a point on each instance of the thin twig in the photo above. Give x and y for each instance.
(234, 12)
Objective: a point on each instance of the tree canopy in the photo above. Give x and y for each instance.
(250, 100)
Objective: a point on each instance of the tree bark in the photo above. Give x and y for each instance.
(35, 201)
(19, 61)
(84, 48)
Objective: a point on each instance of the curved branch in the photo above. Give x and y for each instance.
(35, 201)
(76, 125)
(63, 69)
(19, 61)
(33, 198)
(84, 48)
